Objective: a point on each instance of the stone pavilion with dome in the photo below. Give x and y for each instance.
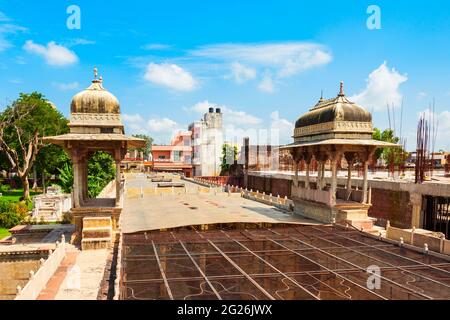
(95, 125)
(333, 129)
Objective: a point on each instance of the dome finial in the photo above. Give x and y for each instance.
(321, 96)
(95, 72)
(341, 89)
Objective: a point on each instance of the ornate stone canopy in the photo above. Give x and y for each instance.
(95, 125)
(333, 129)
(336, 121)
(336, 118)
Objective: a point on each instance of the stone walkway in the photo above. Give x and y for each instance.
(78, 277)
(151, 211)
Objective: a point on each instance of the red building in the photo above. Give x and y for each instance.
(176, 157)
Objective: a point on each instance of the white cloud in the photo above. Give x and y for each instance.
(241, 73)
(230, 116)
(171, 76)
(4, 44)
(382, 88)
(283, 127)
(80, 42)
(132, 118)
(286, 58)
(55, 55)
(239, 124)
(3, 17)
(6, 29)
(161, 125)
(15, 81)
(266, 84)
(156, 46)
(66, 86)
(421, 94)
(160, 129)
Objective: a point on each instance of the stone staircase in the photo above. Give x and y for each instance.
(357, 216)
(47, 210)
(97, 233)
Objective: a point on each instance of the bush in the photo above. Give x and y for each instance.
(66, 218)
(12, 214)
(5, 188)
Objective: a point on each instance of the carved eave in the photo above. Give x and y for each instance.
(95, 120)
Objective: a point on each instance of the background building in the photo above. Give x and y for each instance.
(207, 142)
(174, 157)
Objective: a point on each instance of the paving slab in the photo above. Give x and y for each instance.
(165, 210)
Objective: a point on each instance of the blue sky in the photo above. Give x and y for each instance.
(264, 62)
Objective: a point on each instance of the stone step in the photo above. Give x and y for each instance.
(43, 210)
(95, 243)
(351, 214)
(97, 232)
(95, 222)
(364, 224)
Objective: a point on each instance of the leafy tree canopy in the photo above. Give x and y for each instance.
(23, 124)
(148, 145)
(229, 156)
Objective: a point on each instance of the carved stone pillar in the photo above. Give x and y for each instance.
(307, 156)
(416, 202)
(365, 181)
(85, 194)
(295, 173)
(365, 156)
(118, 184)
(319, 175)
(76, 180)
(349, 157)
(334, 162)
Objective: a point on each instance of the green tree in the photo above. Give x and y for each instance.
(229, 156)
(66, 178)
(101, 170)
(148, 145)
(49, 162)
(389, 155)
(23, 124)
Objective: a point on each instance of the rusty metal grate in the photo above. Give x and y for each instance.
(287, 262)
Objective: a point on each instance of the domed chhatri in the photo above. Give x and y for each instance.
(95, 125)
(95, 99)
(336, 118)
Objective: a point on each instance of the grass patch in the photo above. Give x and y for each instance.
(4, 233)
(16, 194)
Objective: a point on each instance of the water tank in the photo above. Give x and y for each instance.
(218, 110)
(211, 110)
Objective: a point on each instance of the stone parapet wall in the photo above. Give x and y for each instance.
(39, 279)
(395, 201)
(434, 241)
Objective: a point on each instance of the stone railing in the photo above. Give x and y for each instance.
(316, 195)
(355, 195)
(419, 238)
(220, 180)
(269, 199)
(118, 270)
(109, 191)
(39, 280)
